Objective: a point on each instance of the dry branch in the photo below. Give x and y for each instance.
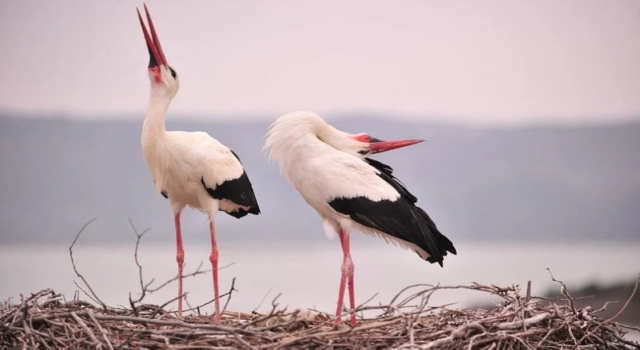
(93, 295)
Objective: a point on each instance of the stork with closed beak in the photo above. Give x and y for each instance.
(331, 170)
(189, 168)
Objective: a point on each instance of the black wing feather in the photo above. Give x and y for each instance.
(238, 191)
(400, 218)
(387, 175)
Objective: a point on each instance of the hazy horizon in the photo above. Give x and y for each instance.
(331, 116)
(525, 184)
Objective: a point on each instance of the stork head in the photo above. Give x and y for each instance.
(164, 79)
(290, 129)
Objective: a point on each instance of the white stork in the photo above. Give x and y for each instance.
(189, 168)
(349, 191)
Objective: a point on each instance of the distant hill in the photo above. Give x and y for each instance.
(535, 183)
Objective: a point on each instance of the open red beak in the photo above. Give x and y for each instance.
(378, 146)
(156, 56)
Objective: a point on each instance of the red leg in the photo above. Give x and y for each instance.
(214, 268)
(352, 297)
(343, 280)
(347, 274)
(180, 260)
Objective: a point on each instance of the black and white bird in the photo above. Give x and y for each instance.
(189, 168)
(331, 170)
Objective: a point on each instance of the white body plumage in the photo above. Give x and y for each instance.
(180, 161)
(323, 163)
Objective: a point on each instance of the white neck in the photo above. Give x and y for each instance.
(154, 123)
(294, 146)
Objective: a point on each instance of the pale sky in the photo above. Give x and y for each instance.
(472, 62)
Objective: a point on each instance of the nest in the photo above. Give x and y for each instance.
(44, 320)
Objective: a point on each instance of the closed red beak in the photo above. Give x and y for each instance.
(379, 146)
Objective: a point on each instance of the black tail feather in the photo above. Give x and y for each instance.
(400, 218)
(442, 244)
(240, 213)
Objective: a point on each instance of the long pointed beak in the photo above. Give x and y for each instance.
(156, 55)
(379, 146)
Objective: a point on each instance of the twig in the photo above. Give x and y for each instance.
(86, 330)
(524, 323)
(73, 263)
(143, 287)
(195, 273)
(230, 292)
(104, 334)
(564, 291)
(262, 301)
(244, 342)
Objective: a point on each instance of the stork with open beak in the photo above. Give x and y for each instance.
(350, 191)
(189, 168)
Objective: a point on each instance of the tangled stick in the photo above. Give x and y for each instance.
(409, 321)
(45, 320)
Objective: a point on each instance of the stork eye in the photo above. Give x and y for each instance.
(362, 138)
(173, 73)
